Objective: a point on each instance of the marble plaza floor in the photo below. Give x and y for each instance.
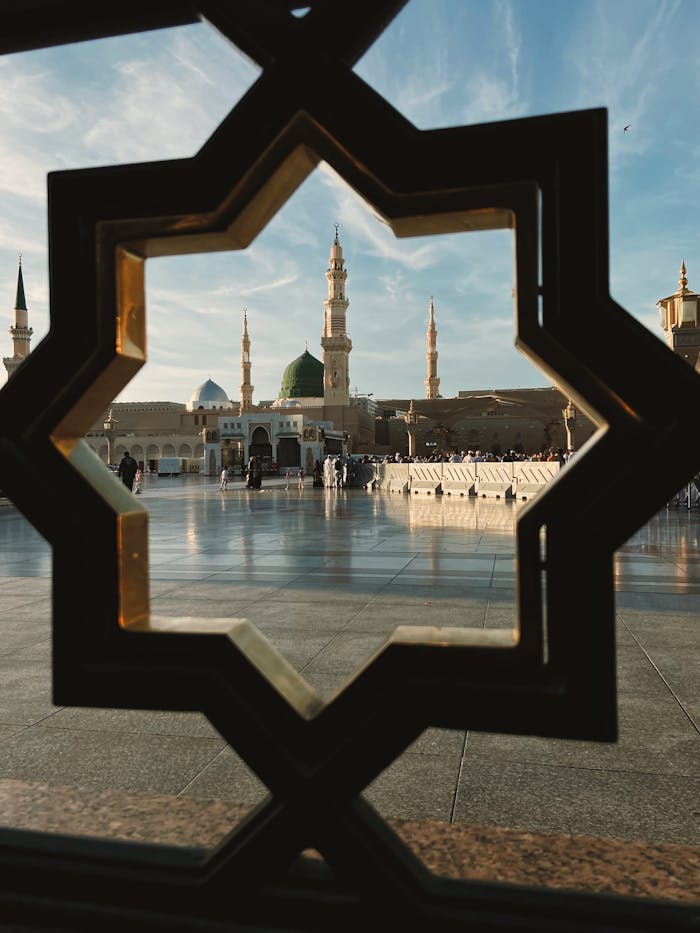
(326, 576)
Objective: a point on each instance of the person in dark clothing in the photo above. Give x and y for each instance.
(254, 473)
(127, 470)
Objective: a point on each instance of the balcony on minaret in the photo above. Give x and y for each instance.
(679, 318)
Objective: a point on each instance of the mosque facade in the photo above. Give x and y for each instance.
(314, 413)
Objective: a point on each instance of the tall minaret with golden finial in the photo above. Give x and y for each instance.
(246, 402)
(20, 332)
(334, 340)
(680, 319)
(432, 382)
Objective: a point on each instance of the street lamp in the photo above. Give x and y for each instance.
(110, 429)
(411, 419)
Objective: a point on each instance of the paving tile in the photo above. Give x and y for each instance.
(226, 777)
(614, 804)
(654, 737)
(129, 721)
(105, 760)
(387, 617)
(299, 651)
(26, 643)
(682, 678)
(663, 629)
(416, 787)
(302, 617)
(636, 675)
(25, 691)
(348, 651)
(38, 587)
(33, 602)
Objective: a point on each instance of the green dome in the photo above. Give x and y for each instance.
(303, 378)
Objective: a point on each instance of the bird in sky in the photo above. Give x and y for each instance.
(627, 127)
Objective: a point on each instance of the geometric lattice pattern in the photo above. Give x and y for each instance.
(545, 178)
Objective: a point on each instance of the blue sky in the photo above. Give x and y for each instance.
(441, 63)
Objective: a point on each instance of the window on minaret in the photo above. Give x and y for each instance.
(688, 311)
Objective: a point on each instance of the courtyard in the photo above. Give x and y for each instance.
(326, 576)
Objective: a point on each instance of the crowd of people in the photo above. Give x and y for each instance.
(340, 472)
(553, 454)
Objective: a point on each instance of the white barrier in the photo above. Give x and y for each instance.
(459, 479)
(393, 477)
(522, 479)
(494, 480)
(531, 476)
(425, 478)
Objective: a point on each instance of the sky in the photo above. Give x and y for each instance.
(160, 95)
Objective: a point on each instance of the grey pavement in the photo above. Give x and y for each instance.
(326, 576)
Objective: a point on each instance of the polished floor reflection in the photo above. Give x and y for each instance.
(326, 576)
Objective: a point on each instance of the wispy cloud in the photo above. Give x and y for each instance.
(493, 92)
(618, 61)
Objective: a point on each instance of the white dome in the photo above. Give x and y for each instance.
(208, 395)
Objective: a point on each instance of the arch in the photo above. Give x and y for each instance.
(118, 452)
(199, 452)
(212, 463)
(137, 452)
(184, 451)
(260, 445)
(153, 452)
(168, 450)
(288, 452)
(260, 436)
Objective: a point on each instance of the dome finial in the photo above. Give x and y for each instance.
(683, 280)
(337, 226)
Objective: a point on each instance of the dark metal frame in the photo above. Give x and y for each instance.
(556, 677)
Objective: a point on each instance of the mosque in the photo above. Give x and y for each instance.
(315, 414)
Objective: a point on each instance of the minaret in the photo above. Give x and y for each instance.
(334, 340)
(432, 383)
(246, 403)
(20, 332)
(680, 321)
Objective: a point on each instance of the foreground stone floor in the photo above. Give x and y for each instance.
(326, 576)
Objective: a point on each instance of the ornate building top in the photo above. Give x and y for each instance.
(20, 331)
(334, 340)
(679, 318)
(432, 382)
(246, 403)
(303, 378)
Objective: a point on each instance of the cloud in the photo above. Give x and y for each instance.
(246, 291)
(619, 61)
(493, 92)
(28, 98)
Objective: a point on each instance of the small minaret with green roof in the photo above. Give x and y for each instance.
(20, 331)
